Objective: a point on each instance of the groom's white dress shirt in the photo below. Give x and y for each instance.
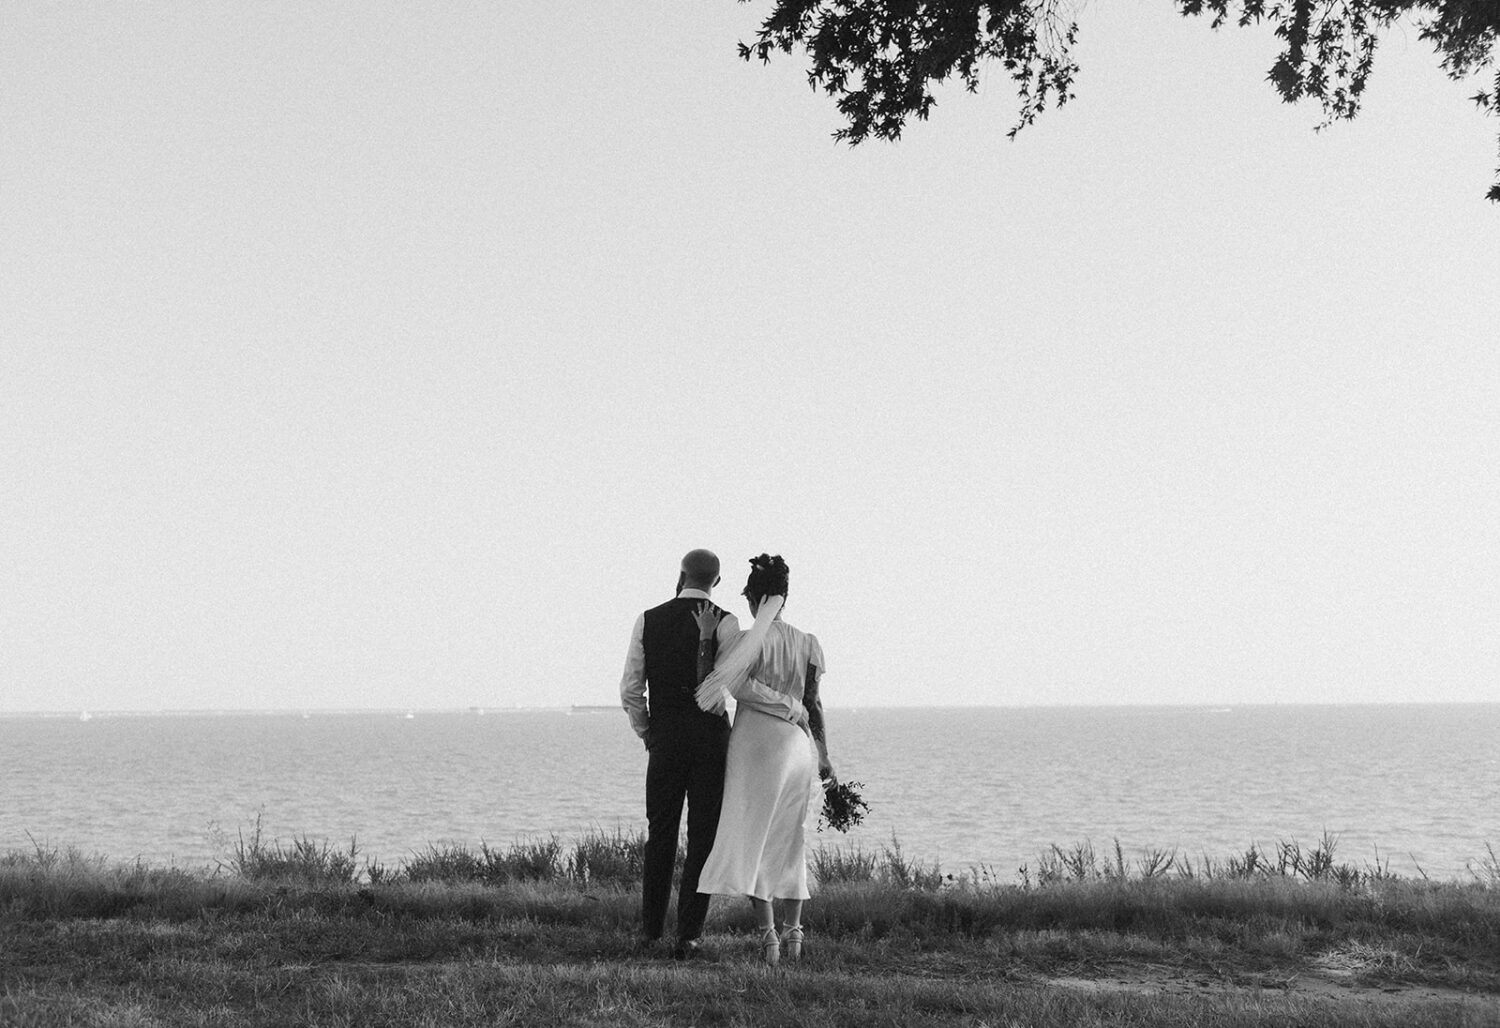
(633, 681)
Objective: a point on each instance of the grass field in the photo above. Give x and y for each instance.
(542, 932)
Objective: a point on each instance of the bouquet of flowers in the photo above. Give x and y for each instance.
(843, 806)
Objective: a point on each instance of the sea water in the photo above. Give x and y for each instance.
(1417, 786)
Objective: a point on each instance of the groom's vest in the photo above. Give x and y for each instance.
(670, 639)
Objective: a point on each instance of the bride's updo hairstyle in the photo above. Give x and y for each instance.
(768, 577)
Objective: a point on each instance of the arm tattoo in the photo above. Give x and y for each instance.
(707, 650)
(814, 704)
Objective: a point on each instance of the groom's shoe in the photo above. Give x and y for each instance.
(688, 949)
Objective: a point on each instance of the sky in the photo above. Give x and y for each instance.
(391, 355)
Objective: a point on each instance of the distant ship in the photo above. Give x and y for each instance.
(85, 716)
(588, 708)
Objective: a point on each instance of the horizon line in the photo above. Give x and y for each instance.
(484, 709)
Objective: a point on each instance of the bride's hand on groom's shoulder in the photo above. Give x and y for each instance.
(707, 618)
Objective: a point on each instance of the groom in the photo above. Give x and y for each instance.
(686, 746)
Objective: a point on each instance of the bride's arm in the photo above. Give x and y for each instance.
(814, 703)
(739, 654)
(752, 692)
(708, 639)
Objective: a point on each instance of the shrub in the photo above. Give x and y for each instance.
(835, 865)
(527, 860)
(896, 869)
(304, 860)
(599, 858)
(439, 864)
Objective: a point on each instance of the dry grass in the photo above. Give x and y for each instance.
(549, 940)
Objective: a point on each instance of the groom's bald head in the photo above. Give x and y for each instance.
(700, 570)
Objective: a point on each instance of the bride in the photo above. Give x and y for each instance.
(758, 850)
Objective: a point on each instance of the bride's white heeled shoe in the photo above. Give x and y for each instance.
(791, 942)
(770, 947)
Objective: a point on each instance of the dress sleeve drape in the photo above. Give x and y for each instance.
(734, 665)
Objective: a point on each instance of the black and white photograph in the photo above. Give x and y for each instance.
(866, 513)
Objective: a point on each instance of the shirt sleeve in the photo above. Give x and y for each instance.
(815, 655)
(633, 681)
(727, 632)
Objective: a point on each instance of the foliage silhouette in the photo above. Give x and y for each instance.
(879, 59)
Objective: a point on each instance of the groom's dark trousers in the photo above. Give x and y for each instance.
(687, 761)
(687, 748)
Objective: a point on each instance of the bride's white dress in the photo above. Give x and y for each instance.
(760, 847)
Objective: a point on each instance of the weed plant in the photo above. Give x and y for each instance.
(1070, 888)
(1486, 870)
(597, 858)
(311, 862)
(1287, 859)
(889, 867)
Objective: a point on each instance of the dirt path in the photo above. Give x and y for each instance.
(1324, 980)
